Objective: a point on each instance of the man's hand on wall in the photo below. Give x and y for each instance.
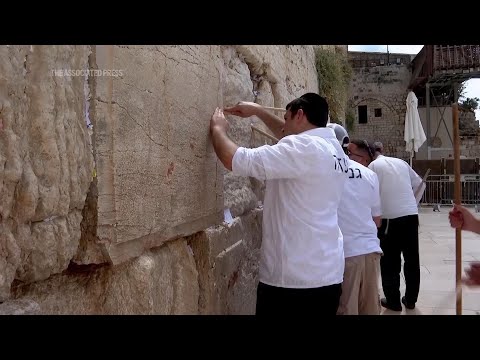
(218, 121)
(243, 109)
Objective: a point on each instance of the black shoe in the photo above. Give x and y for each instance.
(394, 307)
(408, 305)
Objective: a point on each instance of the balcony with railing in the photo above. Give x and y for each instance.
(445, 63)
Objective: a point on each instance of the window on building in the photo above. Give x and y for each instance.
(362, 114)
(378, 112)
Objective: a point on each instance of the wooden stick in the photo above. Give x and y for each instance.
(426, 175)
(421, 190)
(274, 108)
(458, 190)
(264, 133)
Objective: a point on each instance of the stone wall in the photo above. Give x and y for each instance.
(46, 161)
(468, 124)
(360, 59)
(126, 217)
(381, 87)
(470, 146)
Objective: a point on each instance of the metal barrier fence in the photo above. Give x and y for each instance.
(440, 190)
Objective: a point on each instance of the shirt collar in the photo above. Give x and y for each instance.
(323, 132)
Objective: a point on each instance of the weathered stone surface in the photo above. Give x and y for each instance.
(48, 246)
(237, 86)
(239, 195)
(71, 293)
(161, 281)
(45, 160)
(270, 76)
(468, 124)
(19, 307)
(9, 260)
(385, 88)
(90, 250)
(227, 261)
(157, 176)
(289, 68)
(152, 143)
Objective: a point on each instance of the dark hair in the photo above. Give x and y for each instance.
(314, 106)
(365, 146)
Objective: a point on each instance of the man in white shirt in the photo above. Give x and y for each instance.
(302, 260)
(399, 231)
(359, 215)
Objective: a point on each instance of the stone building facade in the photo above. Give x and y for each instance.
(377, 99)
(377, 107)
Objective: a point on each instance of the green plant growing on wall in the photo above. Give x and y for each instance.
(334, 75)
(350, 120)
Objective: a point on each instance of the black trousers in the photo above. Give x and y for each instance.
(272, 300)
(400, 236)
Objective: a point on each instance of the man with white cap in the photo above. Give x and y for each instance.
(359, 215)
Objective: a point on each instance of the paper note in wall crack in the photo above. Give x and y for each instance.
(227, 216)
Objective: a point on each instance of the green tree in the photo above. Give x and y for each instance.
(471, 103)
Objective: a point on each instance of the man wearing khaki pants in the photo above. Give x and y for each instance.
(359, 215)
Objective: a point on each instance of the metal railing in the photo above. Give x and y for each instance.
(440, 190)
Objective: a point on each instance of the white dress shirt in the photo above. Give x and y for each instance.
(398, 182)
(302, 245)
(360, 203)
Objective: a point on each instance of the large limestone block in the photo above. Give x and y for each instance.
(46, 160)
(158, 176)
(227, 259)
(48, 246)
(71, 293)
(161, 281)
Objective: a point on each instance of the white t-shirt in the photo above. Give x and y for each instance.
(302, 245)
(398, 182)
(360, 202)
